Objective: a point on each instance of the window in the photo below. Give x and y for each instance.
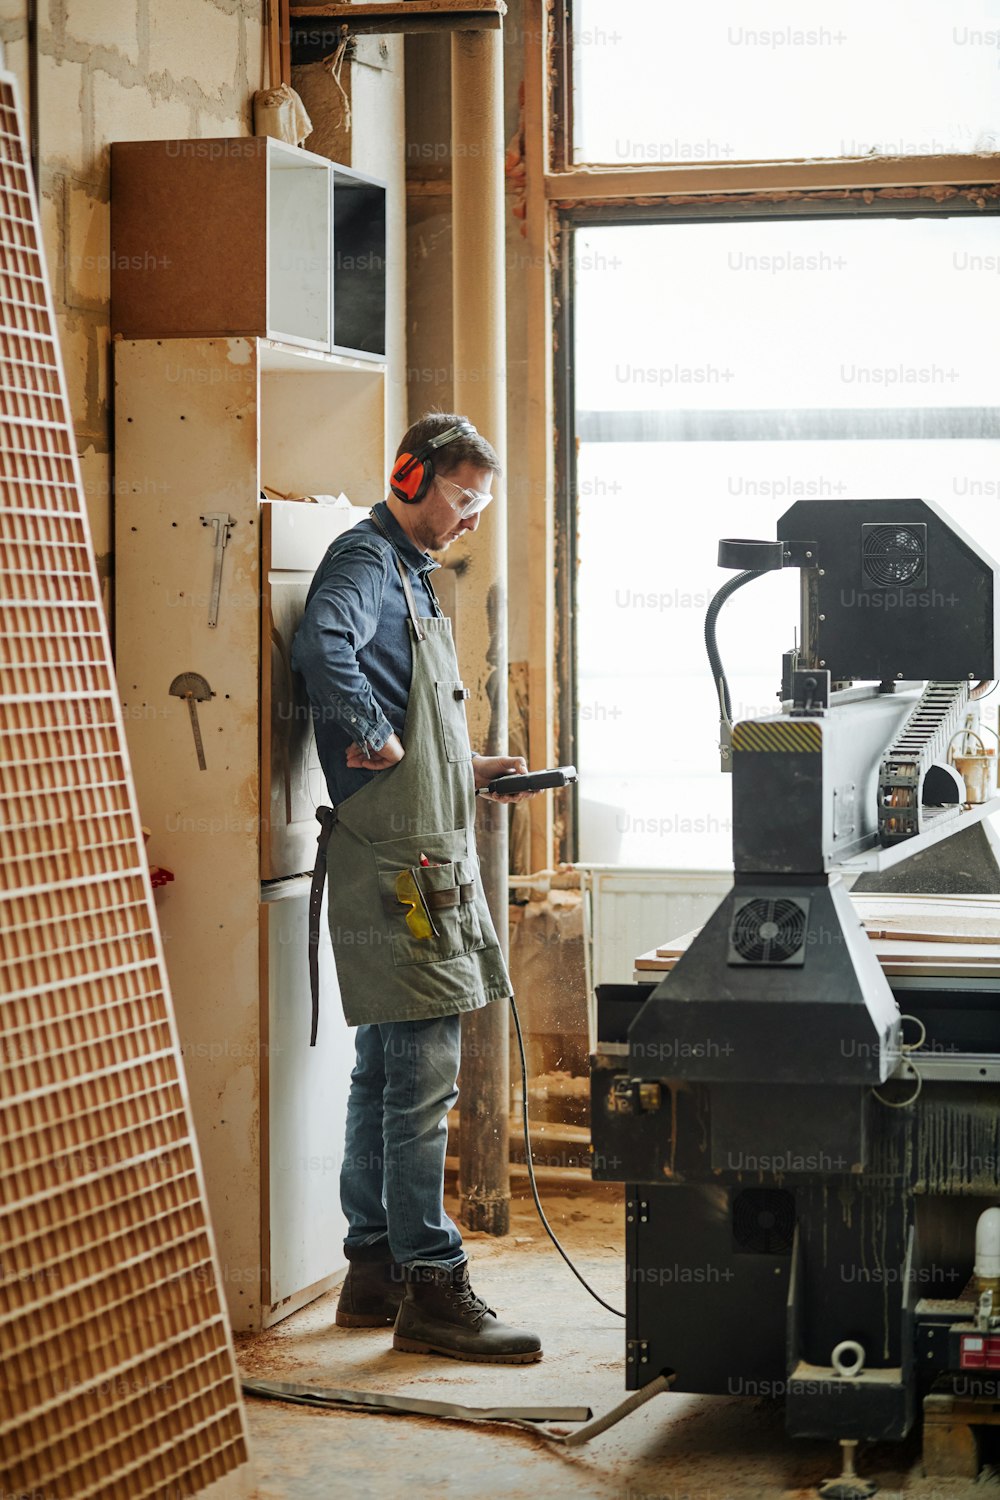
(724, 370)
(728, 82)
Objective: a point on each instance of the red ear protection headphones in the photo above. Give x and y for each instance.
(413, 473)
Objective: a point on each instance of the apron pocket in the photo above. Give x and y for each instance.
(434, 893)
(454, 728)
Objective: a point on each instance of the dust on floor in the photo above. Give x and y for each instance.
(678, 1447)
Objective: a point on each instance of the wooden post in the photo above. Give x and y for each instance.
(537, 438)
(480, 393)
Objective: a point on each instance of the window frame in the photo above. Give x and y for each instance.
(570, 196)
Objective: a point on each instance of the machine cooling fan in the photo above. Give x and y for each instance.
(893, 556)
(767, 931)
(763, 1221)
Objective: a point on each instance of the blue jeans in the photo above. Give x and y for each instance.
(392, 1180)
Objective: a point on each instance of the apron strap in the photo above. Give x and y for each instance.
(434, 598)
(326, 817)
(404, 578)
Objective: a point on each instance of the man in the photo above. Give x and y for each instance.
(411, 931)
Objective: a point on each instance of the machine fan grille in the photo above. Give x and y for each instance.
(768, 931)
(894, 555)
(763, 1221)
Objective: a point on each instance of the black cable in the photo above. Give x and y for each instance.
(718, 671)
(531, 1170)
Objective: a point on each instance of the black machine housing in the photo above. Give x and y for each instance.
(791, 1182)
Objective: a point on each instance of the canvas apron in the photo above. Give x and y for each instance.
(419, 816)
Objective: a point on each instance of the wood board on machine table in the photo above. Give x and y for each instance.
(937, 934)
(117, 1376)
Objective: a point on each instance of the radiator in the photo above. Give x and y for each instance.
(629, 911)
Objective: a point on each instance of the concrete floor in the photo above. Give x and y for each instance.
(675, 1448)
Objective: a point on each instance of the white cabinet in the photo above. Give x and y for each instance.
(201, 426)
(306, 1107)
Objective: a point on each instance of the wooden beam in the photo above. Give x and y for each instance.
(479, 345)
(273, 45)
(285, 42)
(596, 184)
(405, 15)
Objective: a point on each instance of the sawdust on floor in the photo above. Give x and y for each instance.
(678, 1447)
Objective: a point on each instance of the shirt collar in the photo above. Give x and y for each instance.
(415, 560)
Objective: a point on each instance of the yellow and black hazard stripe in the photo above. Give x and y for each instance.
(806, 736)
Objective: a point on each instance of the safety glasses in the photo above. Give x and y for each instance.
(418, 918)
(466, 502)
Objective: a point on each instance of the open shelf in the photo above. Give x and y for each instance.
(358, 263)
(299, 246)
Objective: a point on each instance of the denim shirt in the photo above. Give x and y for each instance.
(353, 647)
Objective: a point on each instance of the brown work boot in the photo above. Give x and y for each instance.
(372, 1289)
(441, 1314)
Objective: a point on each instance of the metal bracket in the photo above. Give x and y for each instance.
(223, 523)
(801, 554)
(950, 1067)
(810, 692)
(637, 1209)
(725, 745)
(637, 1352)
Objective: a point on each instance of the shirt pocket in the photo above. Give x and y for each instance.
(451, 698)
(452, 873)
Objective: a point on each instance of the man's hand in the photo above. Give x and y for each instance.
(391, 754)
(487, 768)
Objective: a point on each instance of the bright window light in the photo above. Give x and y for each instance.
(688, 83)
(724, 371)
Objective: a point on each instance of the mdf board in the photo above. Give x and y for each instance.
(201, 425)
(306, 1107)
(247, 236)
(186, 445)
(226, 236)
(119, 1379)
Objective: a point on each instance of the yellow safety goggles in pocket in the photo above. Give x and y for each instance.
(418, 918)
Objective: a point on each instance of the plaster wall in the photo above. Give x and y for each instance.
(133, 70)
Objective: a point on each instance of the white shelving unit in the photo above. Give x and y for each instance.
(201, 425)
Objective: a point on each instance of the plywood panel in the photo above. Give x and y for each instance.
(186, 429)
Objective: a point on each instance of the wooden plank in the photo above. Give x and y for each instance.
(934, 932)
(402, 19)
(596, 184)
(273, 46)
(390, 10)
(284, 42)
(924, 922)
(950, 1448)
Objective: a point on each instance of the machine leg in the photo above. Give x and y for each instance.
(848, 1486)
